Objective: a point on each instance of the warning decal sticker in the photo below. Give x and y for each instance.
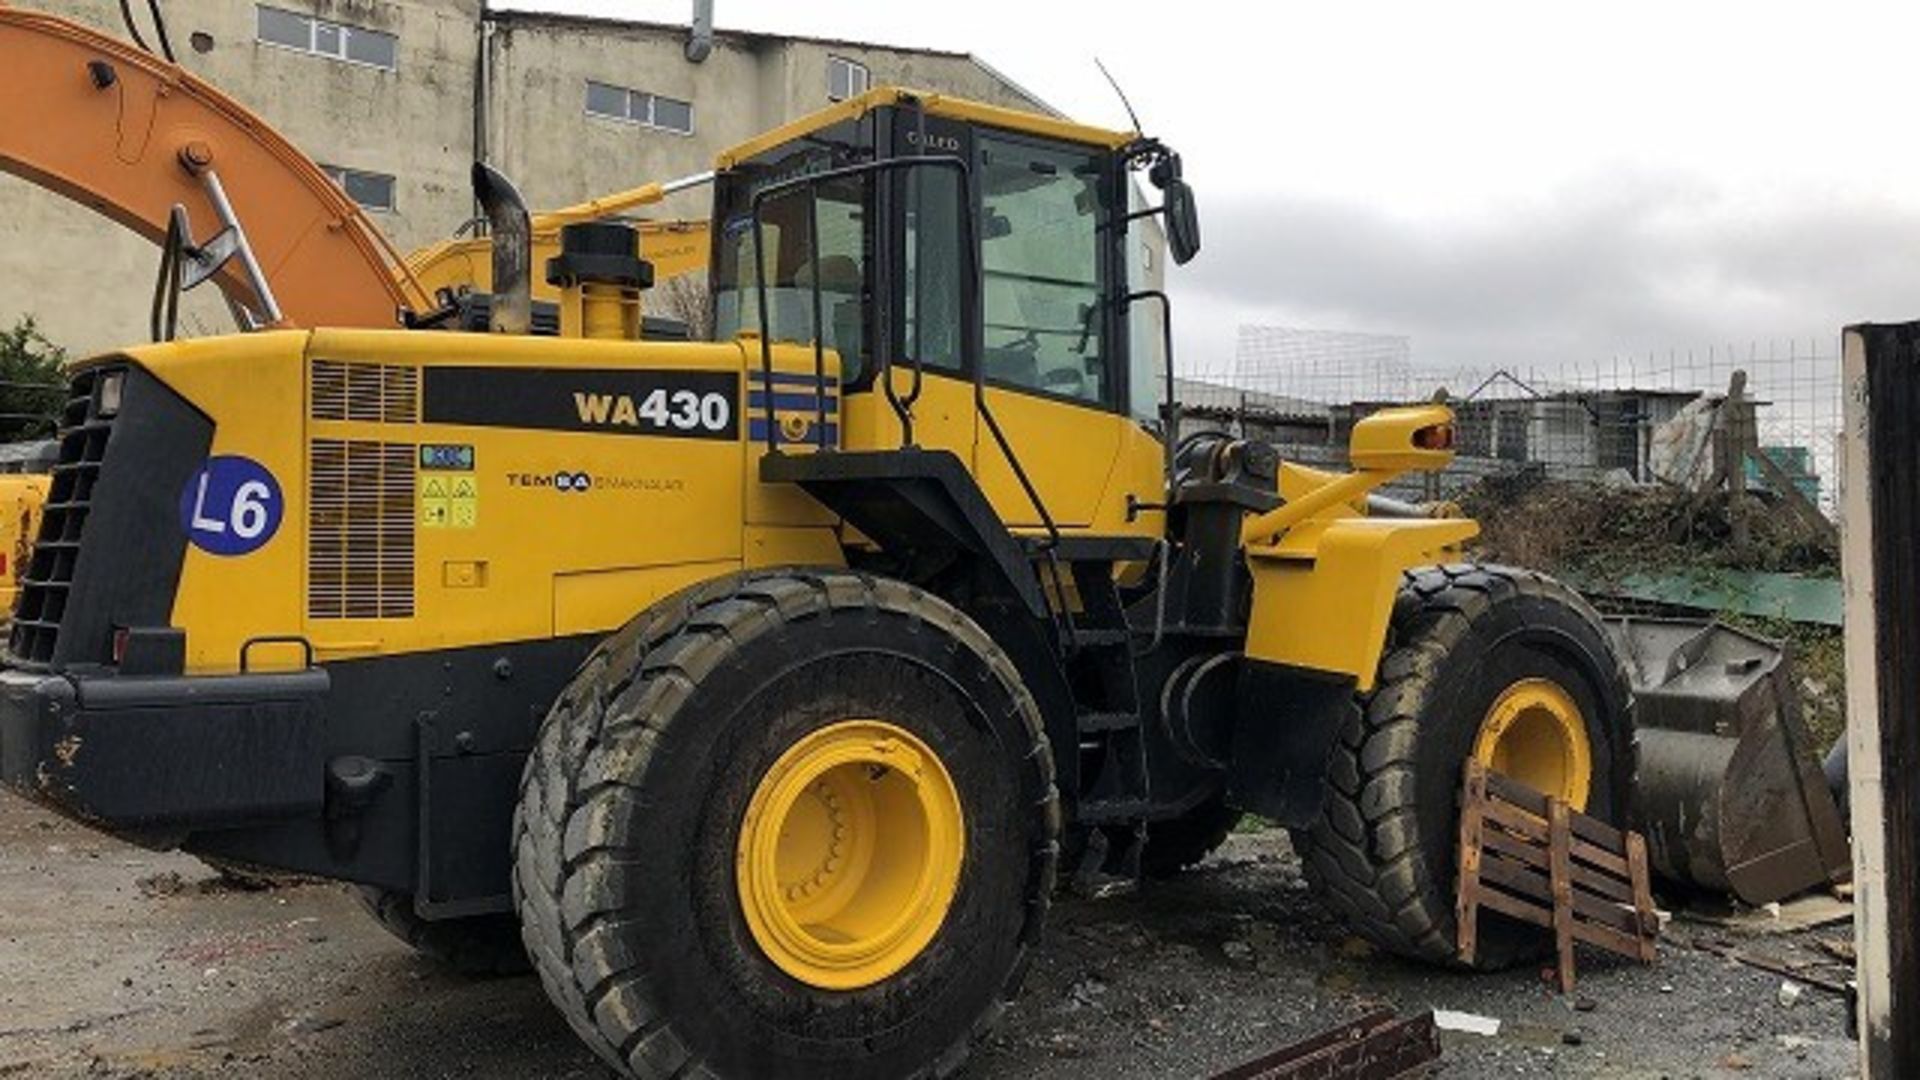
(449, 502)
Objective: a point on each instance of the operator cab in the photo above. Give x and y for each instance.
(961, 247)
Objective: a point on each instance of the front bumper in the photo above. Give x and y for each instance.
(163, 756)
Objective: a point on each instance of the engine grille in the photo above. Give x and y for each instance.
(48, 580)
(375, 393)
(360, 521)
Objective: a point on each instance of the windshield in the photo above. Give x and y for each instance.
(793, 261)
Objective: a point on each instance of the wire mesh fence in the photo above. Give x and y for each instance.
(1628, 420)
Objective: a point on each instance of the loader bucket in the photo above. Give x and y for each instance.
(1727, 788)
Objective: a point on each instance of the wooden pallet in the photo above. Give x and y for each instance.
(1533, 858)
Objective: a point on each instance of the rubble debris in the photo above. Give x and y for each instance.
(1470, 1023)
(1841, 949)
(1775, 967)
(1808, 912)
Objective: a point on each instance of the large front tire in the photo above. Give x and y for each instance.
(643, 820)
(1506, 665)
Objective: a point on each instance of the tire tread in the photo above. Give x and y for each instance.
(1364, 857)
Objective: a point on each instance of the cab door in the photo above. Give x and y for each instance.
(1050, 346)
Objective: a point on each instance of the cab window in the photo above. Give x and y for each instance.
(792, 269)
(1041, 269)
(931, 271)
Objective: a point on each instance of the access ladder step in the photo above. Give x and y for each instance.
(1091, 639)
(1112, 811)
(1095, 722)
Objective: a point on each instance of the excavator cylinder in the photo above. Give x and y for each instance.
(1727, 787)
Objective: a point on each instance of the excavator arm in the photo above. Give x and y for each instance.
(118, 129)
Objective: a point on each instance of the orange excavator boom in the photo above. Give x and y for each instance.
(131, 135)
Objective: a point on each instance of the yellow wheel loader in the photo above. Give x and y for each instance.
(762, 690)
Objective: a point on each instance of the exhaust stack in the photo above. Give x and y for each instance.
(512, 230)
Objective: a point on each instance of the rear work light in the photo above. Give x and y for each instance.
(1437, 437)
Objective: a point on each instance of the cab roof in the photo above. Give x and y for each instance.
(942, 105)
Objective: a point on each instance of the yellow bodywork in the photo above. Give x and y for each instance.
(503, 553)
(22, 496)
(1325, 575)
(511, 551)
(509, 557)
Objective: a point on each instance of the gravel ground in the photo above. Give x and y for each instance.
(121, 962)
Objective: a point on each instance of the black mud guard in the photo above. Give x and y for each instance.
(1283, 733)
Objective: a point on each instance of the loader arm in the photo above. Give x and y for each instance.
(117, 129)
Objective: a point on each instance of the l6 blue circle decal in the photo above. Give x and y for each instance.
(232, 506)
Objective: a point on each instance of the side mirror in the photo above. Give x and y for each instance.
(1183, 221)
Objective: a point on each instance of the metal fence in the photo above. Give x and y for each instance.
(1641, 420)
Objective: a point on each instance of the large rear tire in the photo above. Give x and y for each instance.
(1506, 665)
(728, 736)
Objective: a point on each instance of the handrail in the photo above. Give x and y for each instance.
(819, 330)
(1166, 355)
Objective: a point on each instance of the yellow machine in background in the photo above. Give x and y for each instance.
(761, 690)
(21, 498)
(677, 249)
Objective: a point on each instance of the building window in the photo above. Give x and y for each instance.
(639, 107)
(336, 41)
(846, 78)
(370, 189)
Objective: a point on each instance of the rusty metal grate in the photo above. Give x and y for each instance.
(1373, 1047)
(374, 393)
(360, 529)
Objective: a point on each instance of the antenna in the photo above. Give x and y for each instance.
(1122, 94)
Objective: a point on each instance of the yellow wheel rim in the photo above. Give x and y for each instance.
(1535, 733)
(850, 854)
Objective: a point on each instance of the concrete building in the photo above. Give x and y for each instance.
(396, 98)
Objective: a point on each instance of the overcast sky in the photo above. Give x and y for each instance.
(1505, 183)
